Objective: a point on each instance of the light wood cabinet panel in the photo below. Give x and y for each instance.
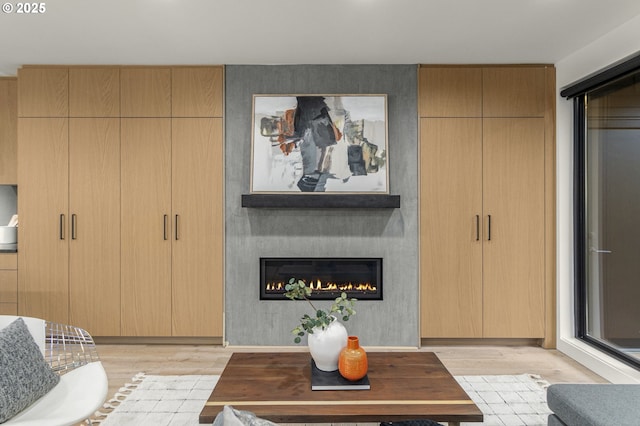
(8, 286)
(94, 92)
(43, 92)
(145, 92)
(514, 275)
(8, 261)
(514, 91)
(43, 258)
(451, 237)
(146, 227)
(197, 214)
(516, 185)
(8, 309)
(94, 208)
(96, 185)
(8, 131)
(550, 209)
(450, 92)
(197, 91)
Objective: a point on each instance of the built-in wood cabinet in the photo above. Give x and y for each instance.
(486, 209)
(94, 92)
(450, 92)
(94, 224)
(513, 244)
(145, 92)
(146, 226)
(8, 284)
(43, 207)
(197, 244)
(451, 227)
(121, 199)
(196, 92)
(43, 92)
(172, 215)
(514, 91)
(8, 130)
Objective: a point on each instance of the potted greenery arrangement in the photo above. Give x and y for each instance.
(326, 335)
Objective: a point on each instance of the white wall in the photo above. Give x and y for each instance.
(611, 48)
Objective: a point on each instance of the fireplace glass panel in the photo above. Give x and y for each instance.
(360, 278)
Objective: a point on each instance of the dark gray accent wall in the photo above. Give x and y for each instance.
(252, 233)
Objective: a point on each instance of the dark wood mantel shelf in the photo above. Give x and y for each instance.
(321, 201)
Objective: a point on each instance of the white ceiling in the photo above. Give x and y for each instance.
(305, 31)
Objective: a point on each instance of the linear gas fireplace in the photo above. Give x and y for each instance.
(328, 277)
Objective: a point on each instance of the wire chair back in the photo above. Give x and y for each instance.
(68, 347)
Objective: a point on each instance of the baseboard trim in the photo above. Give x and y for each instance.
(156, 340)
(305, 348)
(480, 342)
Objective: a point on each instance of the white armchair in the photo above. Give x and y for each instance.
(71, 353)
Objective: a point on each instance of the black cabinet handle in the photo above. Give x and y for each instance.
(177, 227)
(477, 227)
(166, 227)
(489, 229)
(62, 226)
(74, 226)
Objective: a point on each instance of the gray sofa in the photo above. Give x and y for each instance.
(594, 405)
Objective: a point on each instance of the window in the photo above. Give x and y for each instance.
(607, 210)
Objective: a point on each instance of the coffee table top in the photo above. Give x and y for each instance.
(404, 386)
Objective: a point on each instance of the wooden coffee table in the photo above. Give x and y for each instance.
(404, 386)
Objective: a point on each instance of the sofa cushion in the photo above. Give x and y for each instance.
(25, 376)
(554, 420)
(595, 404)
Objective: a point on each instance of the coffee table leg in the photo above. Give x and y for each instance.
(453, 424)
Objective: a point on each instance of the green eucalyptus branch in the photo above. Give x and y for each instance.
(341, 306)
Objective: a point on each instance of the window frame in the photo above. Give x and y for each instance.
(579, 91)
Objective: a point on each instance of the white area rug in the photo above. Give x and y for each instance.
(508, 400)
(177, 400)
(159, 401)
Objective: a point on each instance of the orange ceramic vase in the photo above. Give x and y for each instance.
(352, 362)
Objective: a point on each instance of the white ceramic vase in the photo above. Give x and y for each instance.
(325, 345)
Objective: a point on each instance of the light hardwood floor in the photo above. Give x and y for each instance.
(122, 362)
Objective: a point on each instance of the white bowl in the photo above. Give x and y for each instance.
(8, 234)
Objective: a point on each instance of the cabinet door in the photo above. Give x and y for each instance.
(43, 92)
(146, 226)
(145, 92)
(196, 92)
(8, 284)
(451, 237)
(94, 92)
(94, 206)
(450, 91)
(513, 91)
(43, 164)
(198, 221)
(514, 247)
(8, 131)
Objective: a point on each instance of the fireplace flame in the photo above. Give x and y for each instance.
(319, 286)
(275, 286)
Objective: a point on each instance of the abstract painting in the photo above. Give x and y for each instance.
(319, 144)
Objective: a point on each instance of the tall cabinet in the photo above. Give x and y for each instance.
(120, 174)
(171, 202)
(43, 205)
(487, 210)
(68, 174)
